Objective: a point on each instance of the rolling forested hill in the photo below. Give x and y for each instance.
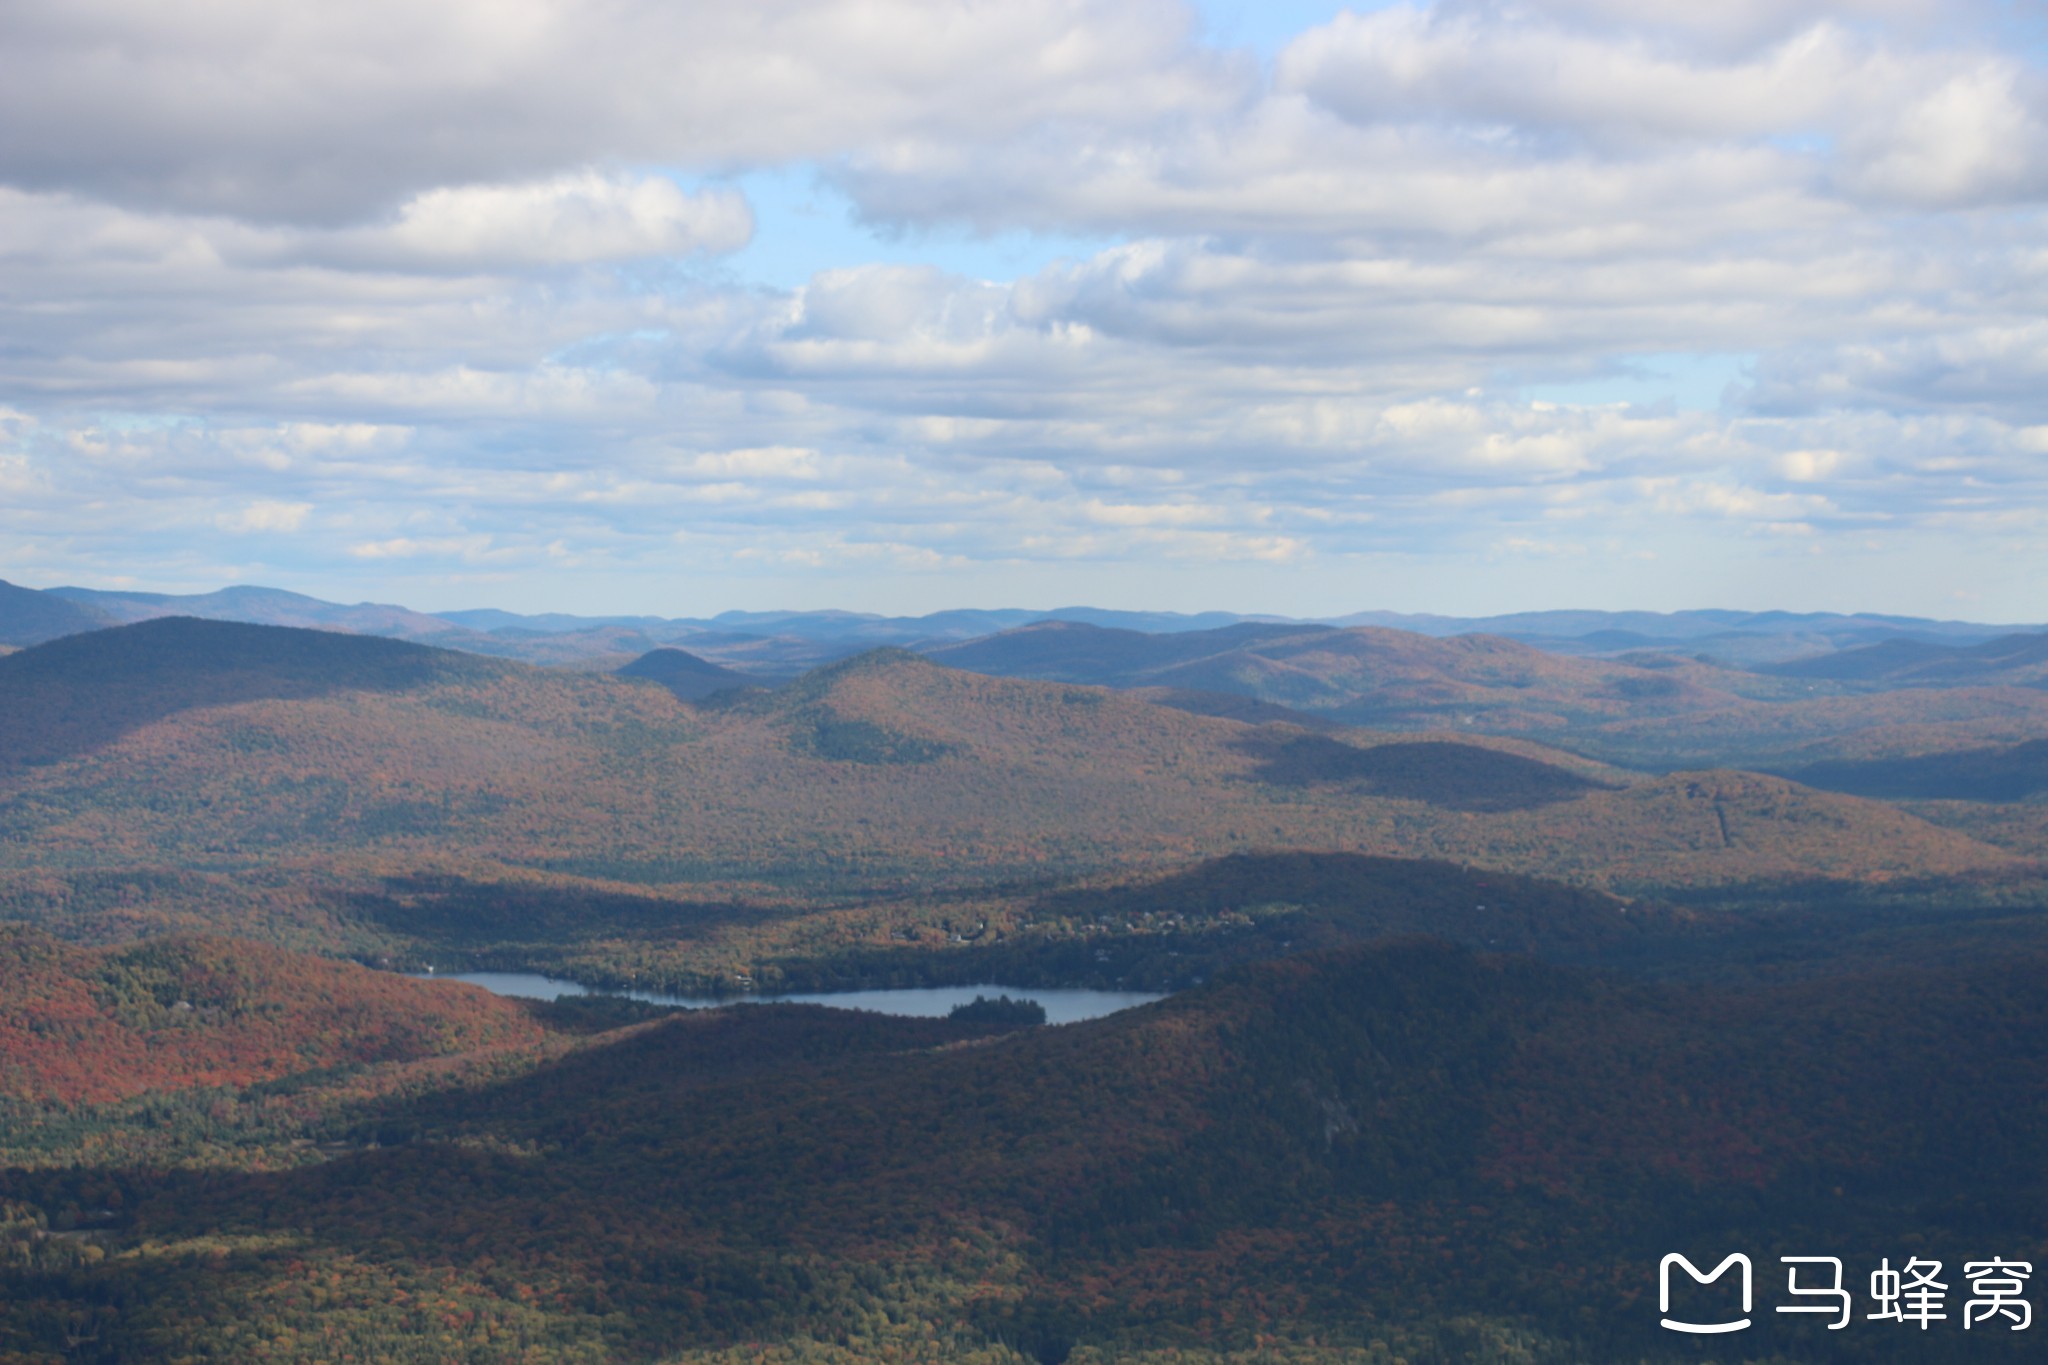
(1471, 1030)
(686, 675)
(1582, 691)
(259, 606)
(1649, 710)
(2019, 660)
(397, 802)
(84, 692)
(201, 743)
(28, 617)
(1364, 675)
(92, 1025)
(2016, 772)
(1397, 1151)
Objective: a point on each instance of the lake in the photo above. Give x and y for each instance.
(1061, 1006)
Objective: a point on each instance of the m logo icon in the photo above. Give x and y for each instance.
(1664, 1292)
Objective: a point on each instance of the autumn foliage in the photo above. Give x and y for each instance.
(92, 1025)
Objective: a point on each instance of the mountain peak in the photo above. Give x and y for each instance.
(29, 617)
(687, 675)
(80, 691)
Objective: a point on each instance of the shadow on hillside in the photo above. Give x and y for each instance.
(83, 692)
(535, 923)
(1232, 706)
(2015, 772)
(754, 1175)
(1442, 773)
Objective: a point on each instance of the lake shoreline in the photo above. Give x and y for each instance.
(1063, 1005)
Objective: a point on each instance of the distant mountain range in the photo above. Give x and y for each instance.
(1735, 637)
(253, 606)
(1643, 709)
(849, 625)
(783, 643)
(1925, 687)
(28, 617)
(2019, 660)
(213, 744)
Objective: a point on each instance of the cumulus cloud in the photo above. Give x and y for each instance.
(567, 220)
(406, 547)
(1728, 27)
(460, 288)
(1479, 68)
(300, 110)
(1979, 136)
(773, 462)
(265, 516)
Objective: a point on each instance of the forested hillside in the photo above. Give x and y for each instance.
(1751, 1012)
(1405, 1149)
(1658, 710)
(2018, 660)
(342, 792)
(686, 675)
(28, 617)
(79, 1025)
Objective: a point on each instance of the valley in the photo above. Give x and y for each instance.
(1472, 1007)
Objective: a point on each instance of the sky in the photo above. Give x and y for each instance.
(1468, 306)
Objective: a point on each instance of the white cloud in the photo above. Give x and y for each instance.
(343, 439)
(1689, 497)
(544, 390)
(265, 516)
(1157, 514)
(1731, 27)
(471, 547)
(566, 220)
(1400, 63)
(1972, 139)
(465, 279)
(1809, 466)
(295, 109)
(769, 462)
